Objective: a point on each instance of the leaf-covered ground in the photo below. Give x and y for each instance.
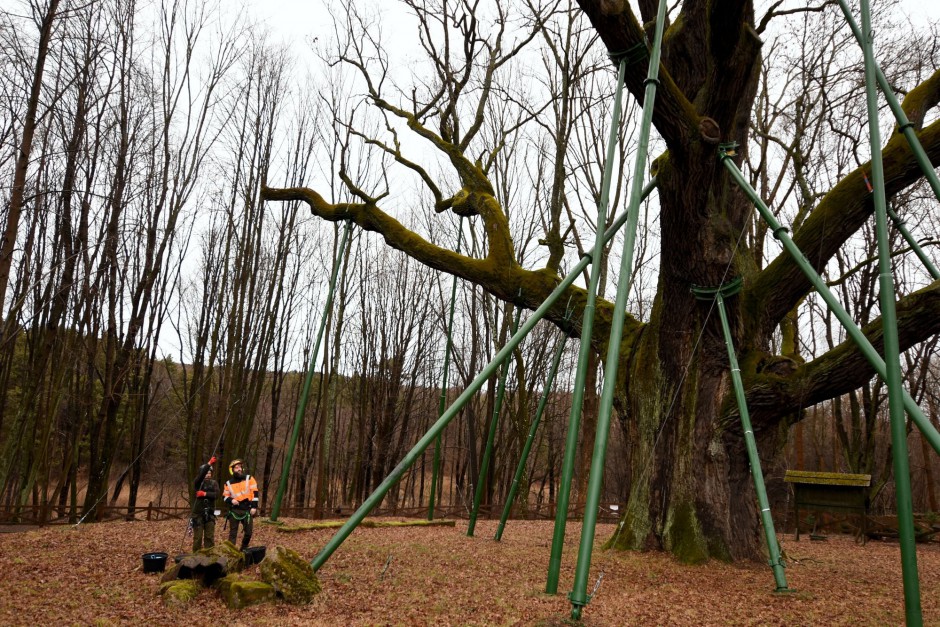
(92, 575)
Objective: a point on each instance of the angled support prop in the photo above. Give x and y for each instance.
(491, 436)
(584, 350)
(901, 464)
(524, 457)
(719, 294)
(579, 596)
(442, 404)
(302, 403)
(726, 153)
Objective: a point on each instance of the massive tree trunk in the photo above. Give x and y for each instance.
(691, 491)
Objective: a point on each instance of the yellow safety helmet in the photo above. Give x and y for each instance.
(233, 463)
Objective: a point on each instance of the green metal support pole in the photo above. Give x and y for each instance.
(491, 436)
(584, 350)
(418, 449)
(442, 405)
(757, 474)
(924, 259)
(904, 125)
(867, 350)
(579, 597)
(902, 471)
(302, 403)
(520, 469)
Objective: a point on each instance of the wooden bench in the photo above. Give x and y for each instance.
(829, 492)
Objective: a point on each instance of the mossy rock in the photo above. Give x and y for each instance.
(291, 575)
(179, 593)
(223, 584)
(238, 593)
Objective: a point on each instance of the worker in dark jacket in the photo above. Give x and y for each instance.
(241, 496)
(204, 507)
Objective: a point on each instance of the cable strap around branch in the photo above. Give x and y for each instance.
(634, 54)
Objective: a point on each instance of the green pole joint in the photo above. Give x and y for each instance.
(578, 603)
(491, 436)
(725, 290)
(727, 150)
(308, 380)
(718, 295)
(634, 54)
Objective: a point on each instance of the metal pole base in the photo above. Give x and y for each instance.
(577, 605)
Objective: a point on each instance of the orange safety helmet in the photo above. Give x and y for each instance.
(232, 465)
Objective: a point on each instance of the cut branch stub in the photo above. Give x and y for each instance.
(709, 130)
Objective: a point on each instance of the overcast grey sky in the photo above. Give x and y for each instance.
(295, 20)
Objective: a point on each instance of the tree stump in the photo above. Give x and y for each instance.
(208, 565)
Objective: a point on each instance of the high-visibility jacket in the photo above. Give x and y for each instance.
(244, 491)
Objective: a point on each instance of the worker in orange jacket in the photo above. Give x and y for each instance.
(241, 496)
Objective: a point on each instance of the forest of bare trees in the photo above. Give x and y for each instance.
(157, 310)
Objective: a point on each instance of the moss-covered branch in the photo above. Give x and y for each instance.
(497, 273)
(839, 214)
(771, 396)
(921, 99)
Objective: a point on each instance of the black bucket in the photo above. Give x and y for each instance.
(253, 555)
(155, 562)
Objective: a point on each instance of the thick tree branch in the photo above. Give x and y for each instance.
(507, 281)
(840, 213)
(674, 116)
(734, 63)
(921, 99)
(772, 12)
(842, 369)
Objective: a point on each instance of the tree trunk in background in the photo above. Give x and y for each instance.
(17, 192)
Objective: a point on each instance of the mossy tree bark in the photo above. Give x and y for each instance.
(691, 491)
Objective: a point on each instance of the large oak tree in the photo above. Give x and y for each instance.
(691, 490)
